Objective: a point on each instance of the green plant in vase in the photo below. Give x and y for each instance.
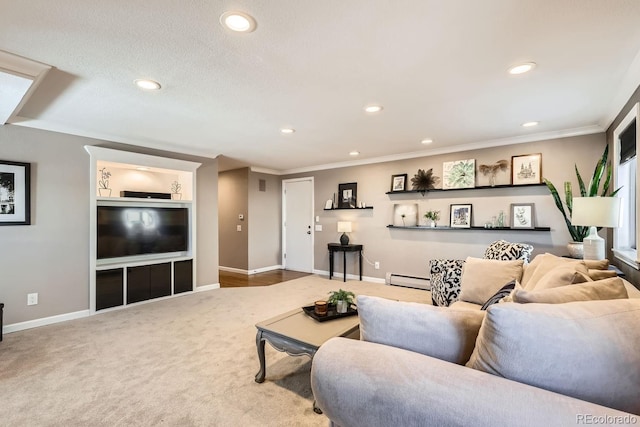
(602, 170)
(342, 300)
(433, 216)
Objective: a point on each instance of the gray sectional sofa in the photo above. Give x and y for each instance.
(553, 358)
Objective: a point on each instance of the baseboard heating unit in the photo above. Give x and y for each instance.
(396, 279)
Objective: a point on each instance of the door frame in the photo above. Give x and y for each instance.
(284, 219)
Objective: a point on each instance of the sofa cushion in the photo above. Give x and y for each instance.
(441, 332)
(503, 292)
(606, 289)
(545, 263)
(562, 275)
(597, 264)
(587, 350)
(482, 278)
(445, 280)
(507, 251)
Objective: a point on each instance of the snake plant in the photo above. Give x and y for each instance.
(578, 233)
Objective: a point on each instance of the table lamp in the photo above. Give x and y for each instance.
(595, 212)
(344, 227)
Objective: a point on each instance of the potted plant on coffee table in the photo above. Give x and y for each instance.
(342, 300)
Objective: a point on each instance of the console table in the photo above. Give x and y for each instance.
(337, 247)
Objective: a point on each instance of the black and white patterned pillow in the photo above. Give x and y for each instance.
(507, 251)
(445, 280)
(503, 292)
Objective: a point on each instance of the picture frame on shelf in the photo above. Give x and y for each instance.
(523, 216)
(15, 193)
(459, 174)
(405, 214)
(399, 182)
(460, 215)
(526, 169)
(348, 195)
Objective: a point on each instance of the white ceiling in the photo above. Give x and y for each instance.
(438, 67)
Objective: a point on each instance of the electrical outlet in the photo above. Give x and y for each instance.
(32, 299)
(377, 265)
(238, 228)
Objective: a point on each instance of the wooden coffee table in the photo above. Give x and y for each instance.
(297, 334)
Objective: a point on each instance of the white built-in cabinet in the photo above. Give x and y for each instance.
(118, 282)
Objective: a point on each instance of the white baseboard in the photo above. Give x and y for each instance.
(350, 276)
(205, 288)
(15, 327)
(250, 272)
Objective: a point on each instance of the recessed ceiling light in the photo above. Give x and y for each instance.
(373, 108)
(522, 68)
(426, 141)
(147, 84)
(354, 153)
(141, 168)
(238, 21)
(530, 124)
(287, 131)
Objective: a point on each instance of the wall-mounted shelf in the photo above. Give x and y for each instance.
(353, 209)
(444, 228)
(483, 187)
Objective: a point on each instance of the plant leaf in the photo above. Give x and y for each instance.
(583, 191)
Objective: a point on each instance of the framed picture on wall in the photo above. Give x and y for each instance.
(348, 195)
(461, 216)
(399, 182)
(526, 169)
(523, 215)
(15, 193)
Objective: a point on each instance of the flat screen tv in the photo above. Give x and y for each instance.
(127, 231)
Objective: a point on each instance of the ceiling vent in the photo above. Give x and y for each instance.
(19, 78)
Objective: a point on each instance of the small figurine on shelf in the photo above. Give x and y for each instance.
(103, 183)
(175, 191)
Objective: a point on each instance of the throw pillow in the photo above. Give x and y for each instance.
(445, 280)
(597, 264)
(543, 264)
(444, 333)
(601, 274)
(481, 278)
(581, 349)
(507, 251)
(612, 288)
(563, 275)
(504, 292)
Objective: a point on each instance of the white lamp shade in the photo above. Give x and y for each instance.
(596, 211)
(344, 227)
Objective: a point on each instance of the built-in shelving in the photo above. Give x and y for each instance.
(483, 187)
(445, 228)
(353, 209)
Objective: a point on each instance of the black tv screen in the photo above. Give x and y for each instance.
(126, 231)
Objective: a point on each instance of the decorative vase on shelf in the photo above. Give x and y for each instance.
(576, 249)
(104, 192)
(176, 196)
(433, 224)
(175, 190)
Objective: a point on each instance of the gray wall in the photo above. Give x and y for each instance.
(233, 199)
(265, 212)
(631, 273)
(408, 251)
(50, 256)
(207, 217)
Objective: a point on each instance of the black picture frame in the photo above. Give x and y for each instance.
(526, 169)
(15, 193)
(399, 182)
(460, 216)
(348, 195)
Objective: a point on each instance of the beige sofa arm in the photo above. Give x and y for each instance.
(359, 383)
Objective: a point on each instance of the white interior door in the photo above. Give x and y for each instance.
(297, 224)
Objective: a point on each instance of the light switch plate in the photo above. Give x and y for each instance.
(318, 227)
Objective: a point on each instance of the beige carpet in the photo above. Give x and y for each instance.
(187, 361)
